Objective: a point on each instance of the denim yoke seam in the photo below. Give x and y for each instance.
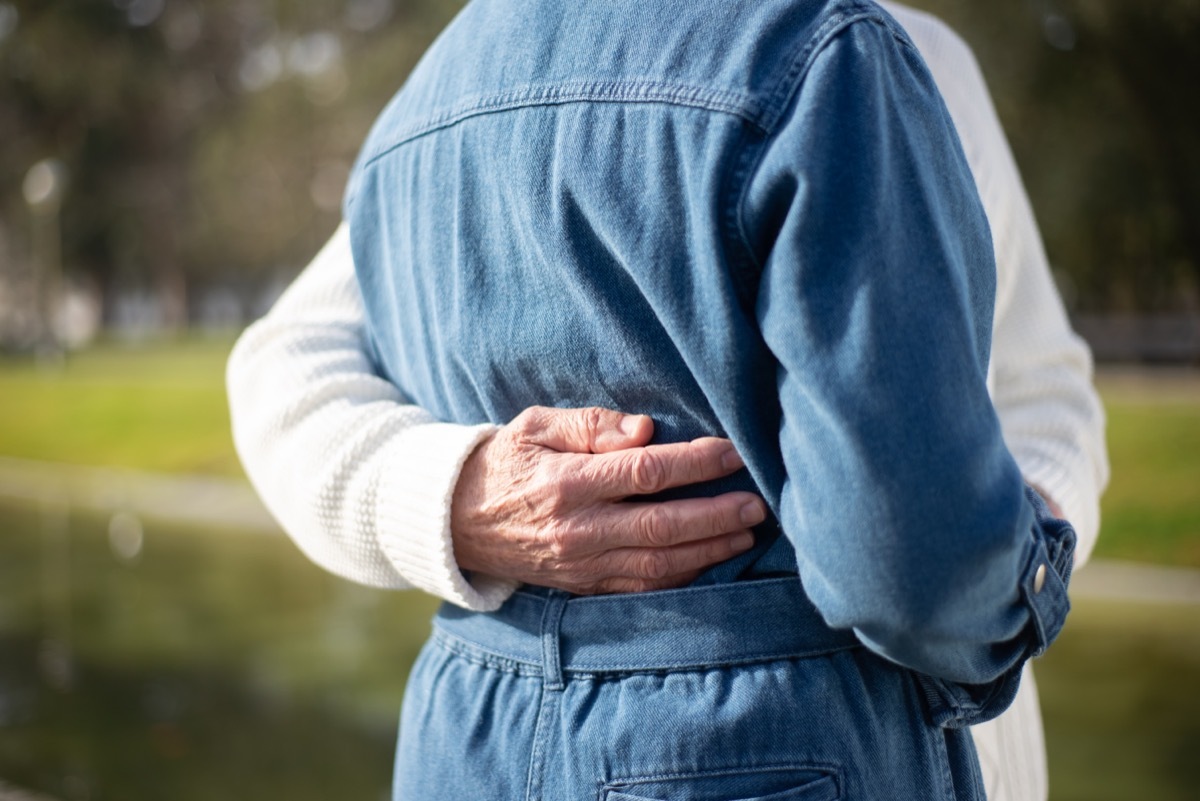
(781, 99)
(737, 104)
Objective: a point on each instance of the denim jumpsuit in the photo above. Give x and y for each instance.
(749, 219)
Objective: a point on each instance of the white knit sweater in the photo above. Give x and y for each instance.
(362, 480)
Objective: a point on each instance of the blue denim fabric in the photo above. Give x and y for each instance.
(745, 218)
(737, 691)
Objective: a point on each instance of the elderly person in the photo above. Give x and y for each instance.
(374, 501)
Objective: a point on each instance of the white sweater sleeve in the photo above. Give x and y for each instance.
(357, 476)
(1041, 372)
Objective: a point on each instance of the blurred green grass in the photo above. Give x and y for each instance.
(1151, 510)
(156, 406)
(161, 406)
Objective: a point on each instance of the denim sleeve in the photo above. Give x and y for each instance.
(909, 516)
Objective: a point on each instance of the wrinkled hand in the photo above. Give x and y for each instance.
(542, 502)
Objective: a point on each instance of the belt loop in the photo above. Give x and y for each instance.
(552, 675)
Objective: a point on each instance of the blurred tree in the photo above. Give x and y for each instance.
(99, 85)
(1097, 99)
(209, 142)
(1132, 230)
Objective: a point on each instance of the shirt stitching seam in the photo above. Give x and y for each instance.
(722, 101)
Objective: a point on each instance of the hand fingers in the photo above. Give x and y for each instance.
(643, 565)
(657, 565)
(588, 430)
(659, 524)
(669, 523)
(642, 471)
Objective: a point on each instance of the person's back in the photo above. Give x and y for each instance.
(749, 220)
(564, 212)
(564, 200)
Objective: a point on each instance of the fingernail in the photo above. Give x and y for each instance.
(742, 542)
(752, 514)
(630, 424)
(732, 460)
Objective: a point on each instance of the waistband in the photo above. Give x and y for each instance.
(689, 628)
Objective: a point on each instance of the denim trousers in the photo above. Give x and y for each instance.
(723, 692)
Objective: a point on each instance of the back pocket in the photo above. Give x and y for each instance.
(799, 783)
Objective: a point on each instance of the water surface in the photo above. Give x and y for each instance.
(144, 661)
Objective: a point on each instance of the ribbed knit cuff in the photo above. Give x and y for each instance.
(413, 514)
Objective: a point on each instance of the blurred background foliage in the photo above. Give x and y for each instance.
(1094, 97)
(207, 143)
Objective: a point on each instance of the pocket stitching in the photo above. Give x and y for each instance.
(829, 769)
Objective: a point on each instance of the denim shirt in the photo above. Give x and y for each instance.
(744, 218)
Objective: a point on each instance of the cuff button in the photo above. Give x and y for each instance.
(1039, 579)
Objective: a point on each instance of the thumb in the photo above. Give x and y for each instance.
(588, 430)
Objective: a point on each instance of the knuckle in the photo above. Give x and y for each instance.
(593, 419)
(571, 486)
(655, 565)
(526, 419)
(532, 421)
(647, 471)
(721, 520)
(653, 527)
(549, 488)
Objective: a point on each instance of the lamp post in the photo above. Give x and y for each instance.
(44, 187)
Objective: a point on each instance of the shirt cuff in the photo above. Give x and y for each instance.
(412, 509)
(1043, 588)
(1047, 573)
